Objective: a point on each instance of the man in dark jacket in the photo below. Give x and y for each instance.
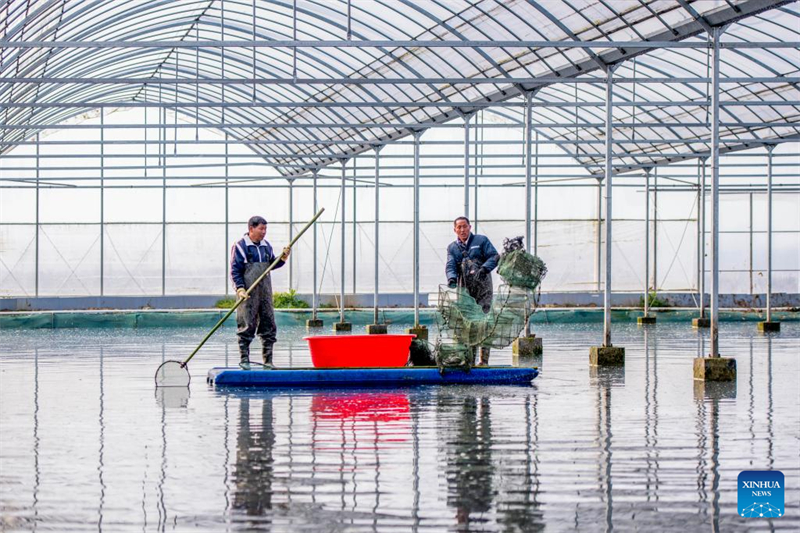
(250, 257)
(470, 260)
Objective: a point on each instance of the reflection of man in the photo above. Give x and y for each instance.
(470, 260)
(469, 463)
(250, 257)
(254, 463)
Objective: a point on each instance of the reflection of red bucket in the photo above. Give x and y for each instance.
(370, 420)
(367, 407)
(359, 351)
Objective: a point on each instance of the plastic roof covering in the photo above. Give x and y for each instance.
(554, 20)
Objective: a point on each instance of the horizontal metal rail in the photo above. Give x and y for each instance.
(363, 144)
(541, 104)
(738, 188)
(390, 81)
(326, 155)
(260, 43)
(397, 125)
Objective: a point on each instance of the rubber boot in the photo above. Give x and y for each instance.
(244, 355)
(266, 354)
(484, 356)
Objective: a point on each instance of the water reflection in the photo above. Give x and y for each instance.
(605, 379)
(36, 440)
(468, 451)
(254, 466)
(572, 451)
(100, 465)
(651, 416)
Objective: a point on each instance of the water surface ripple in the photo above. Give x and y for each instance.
(86, 442)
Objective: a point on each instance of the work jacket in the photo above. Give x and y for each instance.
(477, 248)
(246, 251)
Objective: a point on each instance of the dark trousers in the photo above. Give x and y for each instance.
(256, 315)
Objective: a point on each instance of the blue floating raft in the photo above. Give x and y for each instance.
(369, 377)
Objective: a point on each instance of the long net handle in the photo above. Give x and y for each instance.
(253, 286)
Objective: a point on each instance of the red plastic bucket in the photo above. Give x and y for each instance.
(359, 351)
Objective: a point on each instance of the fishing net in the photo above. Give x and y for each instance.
(466, 322)
(518, 268)
(172, 374)
(467, 318)
(453, 355)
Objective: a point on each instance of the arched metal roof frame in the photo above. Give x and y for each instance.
(89, 58)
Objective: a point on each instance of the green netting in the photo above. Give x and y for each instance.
(518, 268)
(453, 355)
(465, 324)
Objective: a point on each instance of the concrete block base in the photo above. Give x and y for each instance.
(527, 346)
(339, 327)
(606, 356)
(420, 331)
(715, 368)
(701, 322)
(766, 327)
(376, 329)
(646, 320)
(314, 323)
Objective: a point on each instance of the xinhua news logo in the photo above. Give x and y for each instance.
(761, 494)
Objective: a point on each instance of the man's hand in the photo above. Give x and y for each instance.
(482, 273)
(242, 294)
(451, 283)
(285, 255)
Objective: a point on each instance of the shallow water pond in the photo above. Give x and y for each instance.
(86, 442)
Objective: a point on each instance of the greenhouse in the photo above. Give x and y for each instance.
(633, 165)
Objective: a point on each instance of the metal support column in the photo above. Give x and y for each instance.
(291, 231)
(528, 156)
(750, 240)
(536, 194)
(377, 227)
(227, 219)
(599, 238)
(343, 193)
(703, 239)
(36, 237)
(164, 206)
(102, 198)
(355, 220)
(714, 304)
(609, 97)
(467, 116)
(769, 233)
(417, 135)
(698, 233)
(314, 302)
(646, 240)
(655, 231)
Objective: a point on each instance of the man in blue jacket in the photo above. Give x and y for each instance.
(470, 260)
(250, 257)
